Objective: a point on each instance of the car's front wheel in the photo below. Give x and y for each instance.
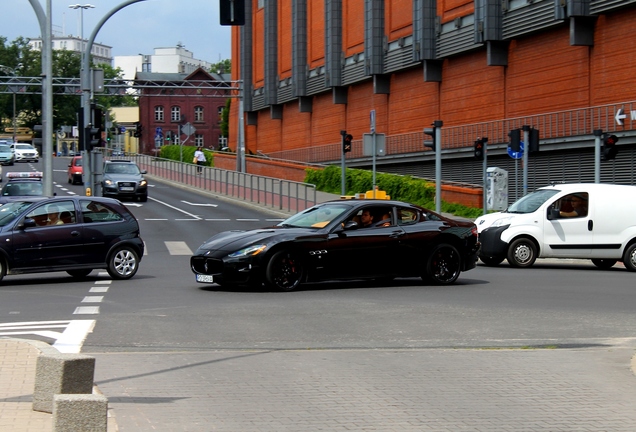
(522, 253)
(629, 257)
(79, 274)
(3, 268)
(123, 263)
(284, 271)
(444, 265)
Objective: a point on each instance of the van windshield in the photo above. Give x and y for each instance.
(531, 202)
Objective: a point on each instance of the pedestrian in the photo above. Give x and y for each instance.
(199, 158)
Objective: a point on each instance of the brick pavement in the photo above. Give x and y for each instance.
(586, 389)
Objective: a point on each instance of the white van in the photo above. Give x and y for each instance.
(583, 221)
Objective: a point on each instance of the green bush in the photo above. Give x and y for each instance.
(173, 152)
(402, 188)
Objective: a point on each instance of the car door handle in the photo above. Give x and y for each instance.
(396, 234)
(590, 225)
(75, 233)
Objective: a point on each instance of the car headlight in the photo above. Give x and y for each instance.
(501, 222)
(248, 251)
(143, 183)
(108, 182)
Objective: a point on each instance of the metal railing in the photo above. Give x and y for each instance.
(551, 126)
(270, 192)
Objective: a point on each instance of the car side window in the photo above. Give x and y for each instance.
(57, 213)
(93, 211)
(407, 216)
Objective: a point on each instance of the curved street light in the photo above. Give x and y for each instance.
(7, 69)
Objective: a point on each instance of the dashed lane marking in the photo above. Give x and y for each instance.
(178, 248)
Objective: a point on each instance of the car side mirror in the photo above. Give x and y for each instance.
(28, 223)
(351, 225)
(144, 172)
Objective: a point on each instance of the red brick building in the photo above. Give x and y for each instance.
(483, 67)
(168, 101)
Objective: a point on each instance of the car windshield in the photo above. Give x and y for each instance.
(5, 148)
(531, 202)
(11, 210)
(31, 188)
(24, 147)
(121, 169)
(315, 217)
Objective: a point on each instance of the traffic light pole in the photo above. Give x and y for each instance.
(438, 165)
(526, 152)
(598, 134)
(484, 169)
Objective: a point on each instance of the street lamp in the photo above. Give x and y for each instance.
(7, 69)
(81, 23)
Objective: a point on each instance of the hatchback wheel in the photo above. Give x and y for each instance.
(444, 265)
(284, 271)
(123, 263)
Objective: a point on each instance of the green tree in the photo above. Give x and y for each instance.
(222, 67)
(225, 119)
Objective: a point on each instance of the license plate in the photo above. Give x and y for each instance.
(205, 278)
(127, 188)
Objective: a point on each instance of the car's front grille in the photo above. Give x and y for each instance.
(206, 265)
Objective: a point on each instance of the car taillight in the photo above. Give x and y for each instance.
(473, 231)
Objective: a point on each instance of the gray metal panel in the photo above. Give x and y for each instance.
(354, 73)
(299, 48)
(285, 94)
(424, 32)
(271, 51)
(374, 36)
(529, 18)
(316, 84)
(600, 6)
(333, 43)
(400, 58)
(258, 102)
(457, 41)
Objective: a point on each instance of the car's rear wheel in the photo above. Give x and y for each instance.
(79, 274)
(522, 253)
(491, 261)
(3, 268)
(123, 263)
(444, 265)
(629, 257)
(604, 263)
(284, 271)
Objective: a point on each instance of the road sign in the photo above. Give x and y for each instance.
(380, 144)
(514, 154)
(372, 116)
(158, 133)
(122, 129)
(188, 129)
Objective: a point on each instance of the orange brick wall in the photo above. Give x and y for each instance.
(284, 38)
(451, 9)
(316, 35)
(413, 104)
(398, 15)
(353, 32)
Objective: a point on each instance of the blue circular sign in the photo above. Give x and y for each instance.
(514, 154)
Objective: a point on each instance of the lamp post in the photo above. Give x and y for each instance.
(7, 69)
(81, 22)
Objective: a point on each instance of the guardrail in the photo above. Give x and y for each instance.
(271, 192)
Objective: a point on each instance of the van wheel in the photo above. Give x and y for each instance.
(629, 257)
(522, 253)
(604, 263)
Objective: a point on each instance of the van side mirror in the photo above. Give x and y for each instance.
(553, 213)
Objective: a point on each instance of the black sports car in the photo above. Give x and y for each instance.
(330, 242)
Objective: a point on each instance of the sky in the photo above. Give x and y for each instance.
(136, 29)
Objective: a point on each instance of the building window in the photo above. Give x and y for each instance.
(175, 114)
(198, 114)
(159, 113)
(222, 142)
(198, 140)
(176, 139)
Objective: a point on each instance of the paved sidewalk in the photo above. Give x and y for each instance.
(18, 359)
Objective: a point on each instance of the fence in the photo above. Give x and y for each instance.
(271, 192)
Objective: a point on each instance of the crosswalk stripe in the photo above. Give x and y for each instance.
(178, 248)
(68, 335)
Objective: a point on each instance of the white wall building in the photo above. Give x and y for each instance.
(101, 53)
(164, 60)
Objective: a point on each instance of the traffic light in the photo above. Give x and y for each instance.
(92, 137)
(480, 148)
(232, 12)
(138, 130)
(515, 140)
(346, 142)
(430, 143)
(168, 137)
(533, 147)
(609, 147)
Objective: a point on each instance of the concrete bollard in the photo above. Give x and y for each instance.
(61, 374)
(80, 412)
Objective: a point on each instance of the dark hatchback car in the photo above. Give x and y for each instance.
(329, 242)
(124, 179)
(73, 234)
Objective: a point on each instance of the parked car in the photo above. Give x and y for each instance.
(582, 221)
(75, 170)
(328, 242)
(91, 233)
(7, 156)
(124, 179)
(25, 152)
(22, 184)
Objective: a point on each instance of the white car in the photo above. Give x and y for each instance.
(25, 152)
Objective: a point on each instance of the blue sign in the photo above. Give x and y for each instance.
(158, 133)
(122, 129)
(514, 154)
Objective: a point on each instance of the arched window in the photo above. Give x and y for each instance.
(175, 113)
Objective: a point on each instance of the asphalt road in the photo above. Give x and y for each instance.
(483, 354)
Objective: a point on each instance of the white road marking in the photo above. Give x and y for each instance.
(98, 290)
(86, 310)
(92, 299)
(199, 204)
(178, 248)
(176, 208)
(69, 340)
(218, 220)
(248, 220)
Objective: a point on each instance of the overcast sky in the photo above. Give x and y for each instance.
(136, 29)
